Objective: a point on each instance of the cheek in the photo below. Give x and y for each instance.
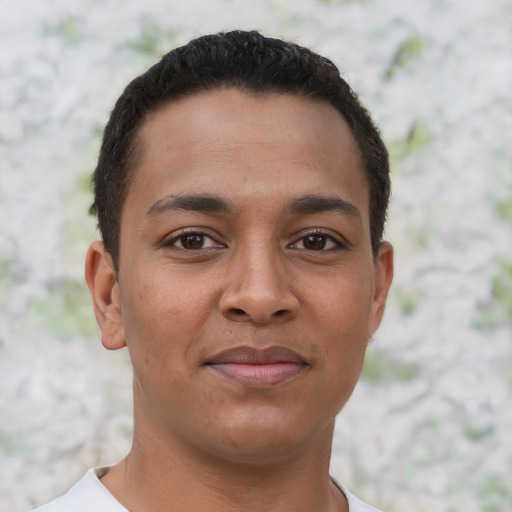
(163, 317)
(161, 302)
(346, 321)
(344, 303)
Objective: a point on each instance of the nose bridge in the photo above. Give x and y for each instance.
(260, 275)
(258, 287)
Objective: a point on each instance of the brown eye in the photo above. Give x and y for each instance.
(314, 242)
(319, 242)
(192, 241)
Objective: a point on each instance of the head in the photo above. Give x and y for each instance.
(247, 61)
(241, 193)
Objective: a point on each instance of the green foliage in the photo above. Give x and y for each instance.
(499, 310)
(488, 320)
(84, 183)
(153, 40)
(494, 495)
(96, 134)
(10, 446)
(32, 129)
(5, 265)
(70, 29)
(7, 280)
(418, 453)
(418, 137)
(502, 286)
(360, 474)
(434, 421)
(415, 142)
(79, 195)
(396, 154)
(423, 236)
(378, 367)
(407, 299)
(503, 210)
(475, 432)
(406, 52)
(66, 312)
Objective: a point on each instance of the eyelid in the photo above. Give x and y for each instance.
(171, 239)
(339, 240)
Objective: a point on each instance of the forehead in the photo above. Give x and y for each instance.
(256, 139)
(246, 115)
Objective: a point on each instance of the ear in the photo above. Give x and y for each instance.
(106, 297)
(383, 278)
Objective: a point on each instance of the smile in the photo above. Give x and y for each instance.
(258, 368)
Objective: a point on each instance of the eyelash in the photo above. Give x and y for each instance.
(183, 234)
(336, 244)
(328, 240)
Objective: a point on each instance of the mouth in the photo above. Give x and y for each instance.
(258, 367)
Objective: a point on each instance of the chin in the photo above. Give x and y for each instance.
(267, 444)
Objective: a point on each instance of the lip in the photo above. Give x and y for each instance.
(257, 367)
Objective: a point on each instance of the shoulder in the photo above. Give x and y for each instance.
(354, 503)
(86, 495)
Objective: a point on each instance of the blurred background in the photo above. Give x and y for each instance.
(430, 424)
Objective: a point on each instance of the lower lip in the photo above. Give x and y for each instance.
(258, 375)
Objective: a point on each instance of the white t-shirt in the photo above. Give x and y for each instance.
(90, 495)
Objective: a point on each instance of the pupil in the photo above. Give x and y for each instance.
(315, 242)
(192, 241)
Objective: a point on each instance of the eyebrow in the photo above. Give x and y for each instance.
(318, 204)
(207, 203)
(197, 202)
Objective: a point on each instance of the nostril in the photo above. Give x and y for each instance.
(238, 312)
(281, 312)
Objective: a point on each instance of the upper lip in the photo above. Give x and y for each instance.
(249, 355)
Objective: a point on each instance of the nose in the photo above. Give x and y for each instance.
(257, 289)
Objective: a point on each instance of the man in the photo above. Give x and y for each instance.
(241, 193)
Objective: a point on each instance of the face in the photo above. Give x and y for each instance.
(247, 288)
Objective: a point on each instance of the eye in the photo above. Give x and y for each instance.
(317, 242)
(193, 241)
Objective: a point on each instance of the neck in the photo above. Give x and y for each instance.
(164, 472)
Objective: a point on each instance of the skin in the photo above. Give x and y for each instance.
(271, 267)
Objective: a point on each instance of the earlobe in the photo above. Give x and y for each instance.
(383, 279)
(104, 289)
